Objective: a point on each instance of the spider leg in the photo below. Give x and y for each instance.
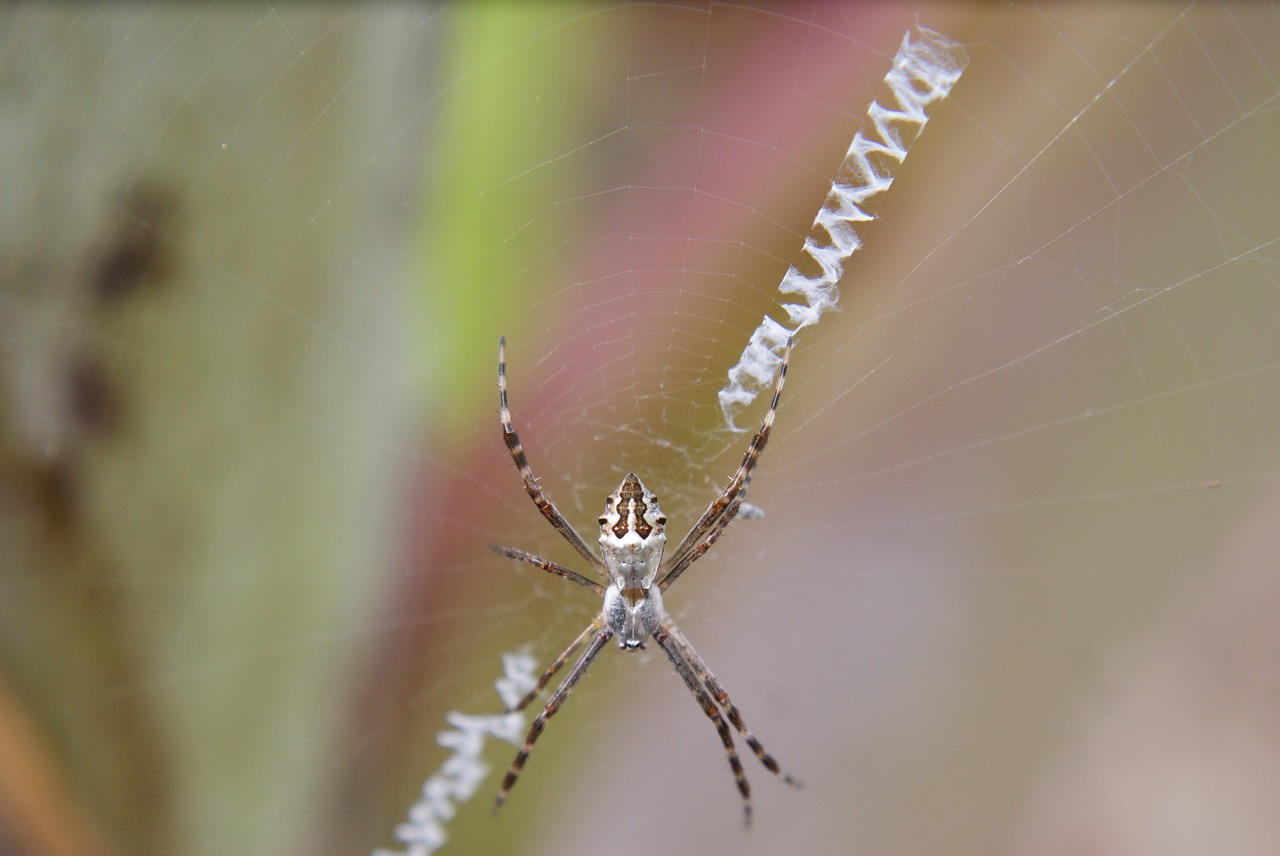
(556, 664)
(723, 509)
(531, 486)
(718, 692)
(549, 566)
(562, 692)
(696, 552)
(688, 672)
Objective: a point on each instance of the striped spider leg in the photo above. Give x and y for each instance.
(632, 543)
(531, 486)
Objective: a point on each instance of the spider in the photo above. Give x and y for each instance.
(632, 542)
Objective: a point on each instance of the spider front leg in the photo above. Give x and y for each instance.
(602, 636)
(721, 511)
(531, 486)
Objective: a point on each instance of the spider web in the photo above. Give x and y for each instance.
(1014, 584)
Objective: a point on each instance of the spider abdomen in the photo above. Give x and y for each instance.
(632, 535)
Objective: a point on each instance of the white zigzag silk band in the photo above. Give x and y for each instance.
(924, 70)
(461, 774)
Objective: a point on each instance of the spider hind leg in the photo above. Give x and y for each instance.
(708, 705)
(579, 669)
(713, 699)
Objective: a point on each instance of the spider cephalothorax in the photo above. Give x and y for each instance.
(632, 557)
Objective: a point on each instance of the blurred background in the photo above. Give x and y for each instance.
(1015, 587)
